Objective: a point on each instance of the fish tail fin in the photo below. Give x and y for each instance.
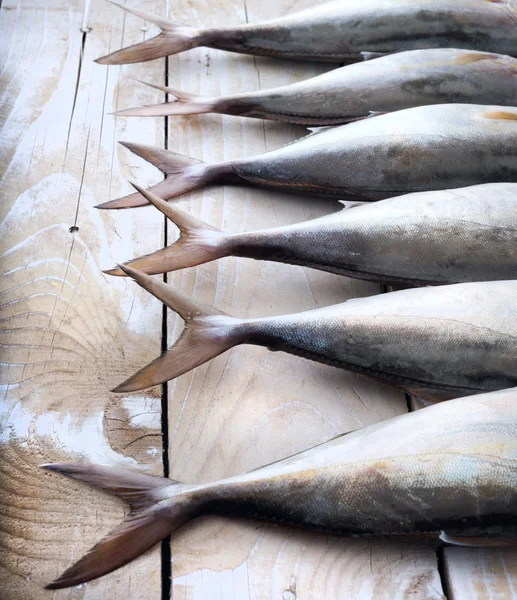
(208, 332)
(174, 38)
(147, 523)
(184, 104)
(182, 174)
(198, 243)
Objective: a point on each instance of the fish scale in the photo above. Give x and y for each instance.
(413, 150)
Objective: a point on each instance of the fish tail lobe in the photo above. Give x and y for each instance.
(208, 332)
(197, 244)
(150, 519)
(184, 103)
(174, 38)
(182, 174)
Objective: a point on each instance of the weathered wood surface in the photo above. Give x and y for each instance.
(68, 332)
(475, 574)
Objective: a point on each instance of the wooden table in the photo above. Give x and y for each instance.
(70, 333)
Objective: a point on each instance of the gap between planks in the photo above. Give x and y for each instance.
(165, 553)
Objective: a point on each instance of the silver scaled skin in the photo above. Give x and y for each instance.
(386, 84)
(435, 342)
(425, 148)
(418, 149)
(406, 475)
(448, 470)
(342, 30)
(425, 238)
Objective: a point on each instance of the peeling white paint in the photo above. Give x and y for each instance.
(15, 424)
(143, 411)
(85, 441)
(205, 584)
(80, 439)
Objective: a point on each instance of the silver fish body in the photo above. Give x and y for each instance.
(339, 31)
(449, 468)
(424, 148)
(386, 84)
(425, 238)
(418, 149)
(449, 341)
(436, 342)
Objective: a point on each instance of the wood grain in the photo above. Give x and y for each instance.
(250, 406)
(68, 332)
(476, 574)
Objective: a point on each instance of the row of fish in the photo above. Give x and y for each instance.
(444, 175)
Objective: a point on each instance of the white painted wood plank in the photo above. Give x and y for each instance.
(66, 329)
(477, 574)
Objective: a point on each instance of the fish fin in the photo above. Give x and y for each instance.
(173, 38)
(208, 332)
(198, 242)
(373, 55)
(371, 113)
(182, 174)
(185, 104)
(351, 204)
(472, 57)
(429, 396)
(133, 487)
(472, 541)
(145, 525)
(314, 130)
(171, 163)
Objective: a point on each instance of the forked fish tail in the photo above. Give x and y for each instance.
(197, 244)
(208, 333)
(173, 38)
(158, 506)
(184, 103)
(182, 174)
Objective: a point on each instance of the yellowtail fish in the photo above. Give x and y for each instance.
(341, 31)
(414, 150)
(425, 238)
(386, 84)
(447, 471)
(435, 342)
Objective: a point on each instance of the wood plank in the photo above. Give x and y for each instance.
(250, 406)
(68, 332)
(477, 574)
